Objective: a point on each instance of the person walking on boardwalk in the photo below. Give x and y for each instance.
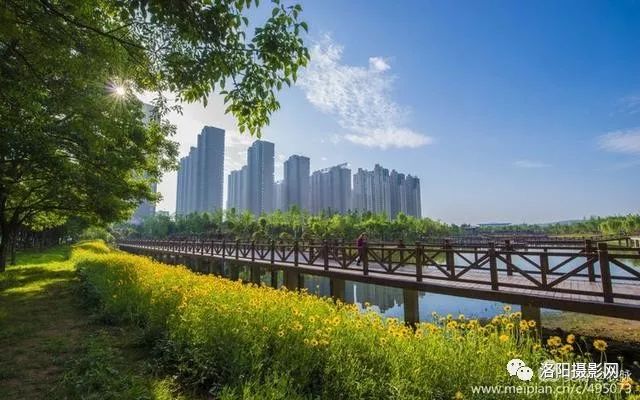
(361, 242)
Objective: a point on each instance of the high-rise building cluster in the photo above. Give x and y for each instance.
(381, 191)
(331, 190)
(200, 177)
(253, 188)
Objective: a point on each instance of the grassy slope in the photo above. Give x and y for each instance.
(50, 347)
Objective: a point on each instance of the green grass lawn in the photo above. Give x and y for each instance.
(51, 347)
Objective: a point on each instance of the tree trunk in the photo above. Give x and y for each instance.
(4, 249)
(12, 241)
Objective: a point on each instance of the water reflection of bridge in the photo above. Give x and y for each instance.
(603, 279)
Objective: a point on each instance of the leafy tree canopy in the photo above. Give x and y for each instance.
(75, 140)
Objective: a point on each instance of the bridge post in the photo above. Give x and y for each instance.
(603, 257)
(365, 258)
(508, 248)
(325, 254)
(493, 266)
(255, 274)
(449, 258)
(291, 281)
(217, 267)
(295, 253)
(588, 250)
(419, 250)
(337, 287)
(237, 248)
(272, 250)
(274, 278)
(224, 250)
(255, 269)
(234, 271)
(544, 267)
(532, 313)
(195, 264)
(411, 307)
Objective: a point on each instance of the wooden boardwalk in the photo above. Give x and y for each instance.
(586, 279)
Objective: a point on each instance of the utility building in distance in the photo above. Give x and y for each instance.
(296, 184)
(331, 190)
(201, 174)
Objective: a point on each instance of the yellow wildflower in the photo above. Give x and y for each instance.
(554, 341)
(600, 345)
(625, 384)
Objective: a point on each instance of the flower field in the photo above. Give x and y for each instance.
(236, 340)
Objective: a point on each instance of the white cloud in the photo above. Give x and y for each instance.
(235, 150)
(379, 64)
(279, 160)
(629, 104)
(359, 97)
(624, 141)
(530, 164)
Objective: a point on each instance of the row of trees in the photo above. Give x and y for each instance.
(611, 225)
(297, 224)
(292, 224)
(74, 139)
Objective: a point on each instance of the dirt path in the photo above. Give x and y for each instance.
(51, 347)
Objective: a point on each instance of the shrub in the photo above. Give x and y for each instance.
(244, 341)
(97, 233)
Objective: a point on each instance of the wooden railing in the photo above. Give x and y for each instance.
(598, 270)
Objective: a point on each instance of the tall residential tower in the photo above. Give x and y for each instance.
(331, 190)
(296, 182)
(201, 174)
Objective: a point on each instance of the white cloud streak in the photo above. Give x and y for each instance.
(624, 141)
(530, 164)
(359, 98)
(629, 105)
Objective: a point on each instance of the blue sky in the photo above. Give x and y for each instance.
(507, 111)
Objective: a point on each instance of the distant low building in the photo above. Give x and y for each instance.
(494, 224)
